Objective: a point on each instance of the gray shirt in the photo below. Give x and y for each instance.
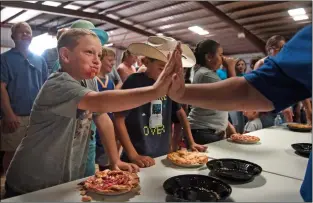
(200, 118)
(55, 148)
(253, 125)
(114, 76)
(50, 56)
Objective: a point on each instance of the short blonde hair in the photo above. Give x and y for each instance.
(107, 52)
(70, 38)
(17, 25)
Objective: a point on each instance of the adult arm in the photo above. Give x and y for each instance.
(273, 86)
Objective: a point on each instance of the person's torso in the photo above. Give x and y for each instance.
(148, 140)
(51, 56)
(255, 124)
(25, 78)
(55, 148)
(200, 118)
(103, 85)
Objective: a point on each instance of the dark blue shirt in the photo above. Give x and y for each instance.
(103, 85)
(24, 78)
(147, 141)
(286, 79)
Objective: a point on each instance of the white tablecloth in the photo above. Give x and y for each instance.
(265, 188)
(274, 153)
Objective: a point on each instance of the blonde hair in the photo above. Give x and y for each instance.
(17, 25)
(70, 38)
(107, 52)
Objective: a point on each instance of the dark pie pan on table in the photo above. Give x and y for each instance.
(195, 188)
(234, 169)
(297, 129)
(302, 148)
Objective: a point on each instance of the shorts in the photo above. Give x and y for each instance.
(102, 158)
(10, 141)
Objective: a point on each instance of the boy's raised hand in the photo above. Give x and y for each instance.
(164, 81)
(177, 87)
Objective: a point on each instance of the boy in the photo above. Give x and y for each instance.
(145, 131)
(55, 148)
(254, 122)
(104, 83)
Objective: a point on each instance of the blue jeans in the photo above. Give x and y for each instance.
(91, 158)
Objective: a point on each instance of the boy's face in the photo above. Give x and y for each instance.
(107, 64)
(154, 67)
(84, 59)
(250, 114)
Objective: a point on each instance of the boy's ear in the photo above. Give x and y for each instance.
(64, 54)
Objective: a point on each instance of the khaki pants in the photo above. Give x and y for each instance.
(10, 141)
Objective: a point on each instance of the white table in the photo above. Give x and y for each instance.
(274, 152)
(265, 188)
(268, 187)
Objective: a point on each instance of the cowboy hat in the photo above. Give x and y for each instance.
(103, 36)
(158, 47)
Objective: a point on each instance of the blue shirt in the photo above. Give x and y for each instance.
(222, 74)
(286, 79)
(24, 78)
(103, 85)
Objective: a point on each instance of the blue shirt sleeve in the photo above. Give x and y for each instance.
(287, 78)
(306, 188)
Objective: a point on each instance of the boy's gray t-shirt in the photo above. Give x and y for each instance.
(55, 148)
(253, 125)
(200, 118)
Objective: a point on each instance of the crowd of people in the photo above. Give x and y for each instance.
(74, 107)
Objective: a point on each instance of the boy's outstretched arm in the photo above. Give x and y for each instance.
(120, 100)
(123, 136)
(106, 131)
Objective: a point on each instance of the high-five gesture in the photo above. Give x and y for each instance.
(172, 67)
(177, 87)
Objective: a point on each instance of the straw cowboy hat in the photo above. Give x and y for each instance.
(102, 35)
(158, 47)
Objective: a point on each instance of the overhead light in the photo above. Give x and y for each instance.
(198, 30)
(90, 10)
(109, 45)
(300, 17)
(203, 32)
(31, 2)
(296, 12)
(72, 7)
(159, 34)
(25, 16)
(195, 29)
(7, 12)
(241, 35)
(51, 3)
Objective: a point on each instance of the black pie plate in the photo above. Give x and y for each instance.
(302, 148)
(295, 129)
(196, 188)
(234, 169)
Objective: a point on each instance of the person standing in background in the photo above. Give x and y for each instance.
(127, 67)
(51, 55)
(22, 75)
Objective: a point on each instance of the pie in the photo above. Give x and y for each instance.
(186, 158)
(300, 126)
(109, 182)
(249, 139)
